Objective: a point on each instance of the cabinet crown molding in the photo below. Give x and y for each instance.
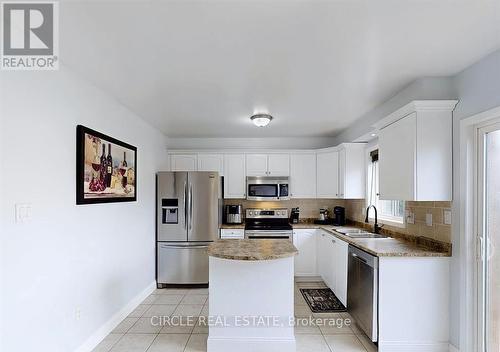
(416, 106)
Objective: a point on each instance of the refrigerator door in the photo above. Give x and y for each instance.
(171, 206)
(204, 206)
(182, 263)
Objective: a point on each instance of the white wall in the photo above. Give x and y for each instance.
(95, 257)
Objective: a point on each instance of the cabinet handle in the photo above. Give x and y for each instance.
(333, 241)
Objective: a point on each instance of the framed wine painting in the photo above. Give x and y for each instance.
(106, 168)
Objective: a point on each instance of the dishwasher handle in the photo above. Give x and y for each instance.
(363, 257)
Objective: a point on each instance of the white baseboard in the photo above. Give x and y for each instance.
(453, 348)
(250, 344)
(403, 346)
(113, 322)
(308, 278)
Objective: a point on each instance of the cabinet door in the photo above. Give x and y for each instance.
(327, 175)
(342, 172)
(397, 148)
(354, 171)
(183, 162)
(256, 164)
(278, 165)
(341, 257)
(330, 273)
(211, 162)
(234, 176)
(303, 175)
(322, 254)
(305, 260)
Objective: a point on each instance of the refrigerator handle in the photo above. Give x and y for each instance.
(190, 206)
(185, 205)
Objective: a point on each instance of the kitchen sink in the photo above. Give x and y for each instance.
(358, 233)
(365, 235)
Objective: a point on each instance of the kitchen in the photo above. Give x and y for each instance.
(253, 176)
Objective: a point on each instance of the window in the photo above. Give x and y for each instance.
(388, 210)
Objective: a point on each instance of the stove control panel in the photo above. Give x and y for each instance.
(267, 213)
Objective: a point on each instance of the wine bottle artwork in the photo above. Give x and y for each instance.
(109, 167)
(106, 168)
(123, 171)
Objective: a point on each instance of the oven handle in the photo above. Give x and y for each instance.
(269, 237)
(267, 233)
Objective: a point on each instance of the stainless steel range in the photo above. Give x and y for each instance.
(267, 223)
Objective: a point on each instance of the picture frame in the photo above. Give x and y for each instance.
(106, 168)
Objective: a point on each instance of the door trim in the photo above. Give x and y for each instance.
(464, 209)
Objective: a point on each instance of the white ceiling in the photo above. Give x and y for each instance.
(201, 68)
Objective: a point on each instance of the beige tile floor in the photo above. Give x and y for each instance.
(136, 333)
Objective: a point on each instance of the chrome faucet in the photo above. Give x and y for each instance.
(376, 226)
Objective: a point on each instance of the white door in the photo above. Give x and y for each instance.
(330, 262)
(257, 165)
(327, 175)
(183, 162)
(488, 210)
(278, 165)
(303, 175)
(211, 162)
(397, 148)
(234, 176)
(305, 260)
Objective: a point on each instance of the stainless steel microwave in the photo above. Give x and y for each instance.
(268, 188)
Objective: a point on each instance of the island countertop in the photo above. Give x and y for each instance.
(250, 249)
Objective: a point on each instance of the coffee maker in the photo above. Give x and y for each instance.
(339, 216)
(294, 215)
(234, 214)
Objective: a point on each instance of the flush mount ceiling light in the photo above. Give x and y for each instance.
(261, 120)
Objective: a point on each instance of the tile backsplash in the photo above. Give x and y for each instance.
(356, 210)
(309, 208)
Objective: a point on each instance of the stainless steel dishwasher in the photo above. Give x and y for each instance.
(362, 291)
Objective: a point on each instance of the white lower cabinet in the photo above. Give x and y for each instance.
(305, 260)
(332, 263)
(237, 234)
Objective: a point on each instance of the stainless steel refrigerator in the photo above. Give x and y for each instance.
(189, 212)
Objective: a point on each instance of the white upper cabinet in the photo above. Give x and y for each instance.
(268, 164)
(352, 171)
(327, 175)
(256, 164)
(415, 152)
(303, 175)
(234, 176)
(341, 172)
(183, 162)
(278, 165)
(211, 162)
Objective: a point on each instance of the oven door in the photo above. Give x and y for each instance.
(269, 234)
(262, 191)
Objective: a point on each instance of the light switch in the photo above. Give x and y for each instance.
(447, 216)
(428, 219)
(23, 212)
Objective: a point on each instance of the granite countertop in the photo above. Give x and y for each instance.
(252, 249)
(388, 247)
(233, 226)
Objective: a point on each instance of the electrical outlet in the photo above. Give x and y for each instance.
(23, 212)
(428, 219)
(447, 216)
(410, 217)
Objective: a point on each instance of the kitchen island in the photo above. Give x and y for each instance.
(251, 300)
